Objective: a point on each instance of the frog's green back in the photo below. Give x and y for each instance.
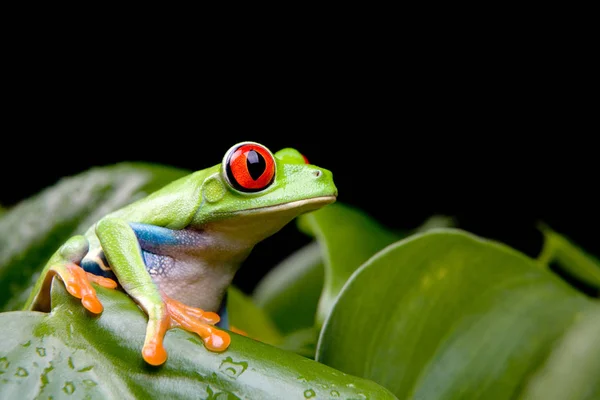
(172, 206)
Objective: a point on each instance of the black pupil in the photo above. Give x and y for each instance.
(256, 164)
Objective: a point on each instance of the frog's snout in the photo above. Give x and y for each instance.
(325, 177)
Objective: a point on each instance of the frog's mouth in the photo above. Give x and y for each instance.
(300, 206)
(296, 207)
(255, 224)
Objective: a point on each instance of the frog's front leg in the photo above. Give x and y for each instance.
(122, 250)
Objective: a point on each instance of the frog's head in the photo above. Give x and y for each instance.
(256, 191)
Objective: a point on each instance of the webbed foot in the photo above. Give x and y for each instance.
(78, 284)
(198, 321)
(188, 318)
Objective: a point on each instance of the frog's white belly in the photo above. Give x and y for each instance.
(190, 280)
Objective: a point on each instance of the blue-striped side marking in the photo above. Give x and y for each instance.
(154, 235)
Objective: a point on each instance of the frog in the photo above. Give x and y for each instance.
(176, 251)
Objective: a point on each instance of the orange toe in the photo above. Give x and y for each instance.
(73, 288)
(217, 340)
(210, 317)
(92, 303)
(78, 285)
(102, 281)
(154, 354)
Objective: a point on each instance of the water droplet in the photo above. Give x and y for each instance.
(232, 368)
(309, 393)
(22, 372)
(89, 383)
(69, 388)
(335, 393)
(26, 344)
(302, 379)
(350, 385)
(41, 351)
(85, 369)
(4, 364)
(70, 363)
(44, 376)
(217, 395)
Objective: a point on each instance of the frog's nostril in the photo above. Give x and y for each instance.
(317, 173)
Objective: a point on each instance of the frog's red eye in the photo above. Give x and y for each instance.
(250, 167)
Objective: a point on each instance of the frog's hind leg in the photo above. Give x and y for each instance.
(65, 264)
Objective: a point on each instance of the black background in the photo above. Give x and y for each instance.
(499, 151)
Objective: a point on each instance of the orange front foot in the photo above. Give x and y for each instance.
(198, 321)
(189, 318)
(77, 282)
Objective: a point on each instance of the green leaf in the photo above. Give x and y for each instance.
(70, 352)
(573, 369)
(570, 257)
(290, 292)
(348, 237)
(437, 221)
(448, 315)
(32, 230)
(247, 316)
(301, 341)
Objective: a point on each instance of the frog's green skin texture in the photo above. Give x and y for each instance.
(186, 241)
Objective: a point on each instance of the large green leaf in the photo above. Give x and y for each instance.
(290, 292)
(570, 257)
(69, 352)
(33, 229)
(573, 369)
(448, 315)
(348, 237)
(302, 341)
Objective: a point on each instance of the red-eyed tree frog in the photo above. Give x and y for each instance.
(175, 252)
